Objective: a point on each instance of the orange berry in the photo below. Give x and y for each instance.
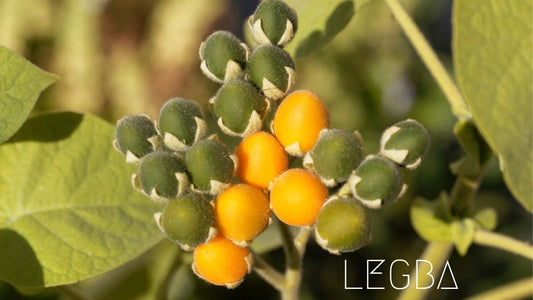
(221, 262)
(297, 196)
(261, 159)
(242, 213)
(298, 121)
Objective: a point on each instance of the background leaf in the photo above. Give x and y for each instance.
(432, 219)
(319, 21)
(492, 47)
(21, 82)
(67, 209)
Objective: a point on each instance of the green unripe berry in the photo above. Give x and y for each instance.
(335, 155)
(343, 225)
(188, 220)
(210, 166)
(181, 123)
(273, 22)
(272, 70)
(135, 136)
(239, 107)
(162, 175)
(405, 143)
(223, 56)
(376, 182)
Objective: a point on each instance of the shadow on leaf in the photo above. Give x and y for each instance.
(49, 127)
(18, 263)
(340, 17)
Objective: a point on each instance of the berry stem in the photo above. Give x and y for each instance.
(520, 289)
(437, 254)
(503, 242)
(294, 250)
(430, 59)
(268, 273)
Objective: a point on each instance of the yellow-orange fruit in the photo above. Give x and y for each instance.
(242, 213)
(297, 196)
(298, 121)
(221, 262)
(261, 159)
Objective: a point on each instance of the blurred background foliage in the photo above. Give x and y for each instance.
(118, 57)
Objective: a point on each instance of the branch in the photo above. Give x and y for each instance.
(430, 59)
(515, 290)
(437, 254)
(503, 242)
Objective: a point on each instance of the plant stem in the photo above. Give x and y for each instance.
(430, 59)
(503, 242)
(437, 254)
(71, 292)
(293, 262)
(268, 273)
(463, 192)
(515, 290)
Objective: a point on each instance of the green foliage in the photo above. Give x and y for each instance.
(319, 22)
(60, 220)
(21, 82)
(492, 47)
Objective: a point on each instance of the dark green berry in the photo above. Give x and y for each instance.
(272, 70)
(161, 175)
(239, 107)
(188, 220)
(343, 225)
(405, 143)
(181, 123)
(376, 182)
(210, 166)
(335, 155)
(273, 22)
(135, 136)
(223, 56)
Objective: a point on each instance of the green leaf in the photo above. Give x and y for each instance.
(319, 21)
(463, 232)
(67, 209)
(492, 55)
(21, 82)
(486, 218)
(432, 219)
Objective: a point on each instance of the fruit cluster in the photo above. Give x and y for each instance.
(218, 201)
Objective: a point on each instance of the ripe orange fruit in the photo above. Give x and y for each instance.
(242, 213)
(221, 262)
(261, 158)
(297, 196)
(298, 121)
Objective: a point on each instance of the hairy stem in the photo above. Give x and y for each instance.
(293, 263)
(71, 292)
(520, 289)
(503, 242)
(430, 59)
(268, 273)
(437, 254)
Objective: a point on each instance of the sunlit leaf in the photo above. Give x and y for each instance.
(492, 55)
(67, 209)
(21, 82)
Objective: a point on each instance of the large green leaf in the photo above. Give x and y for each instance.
(319, 21)
(21, 82)
(67, 209)
(492, 46)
